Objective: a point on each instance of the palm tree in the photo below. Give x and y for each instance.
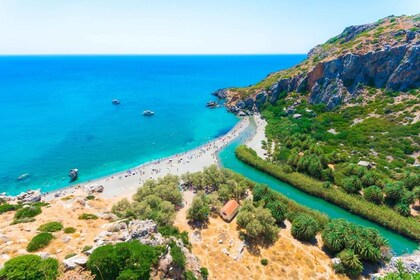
(304, 227)
(351, 262)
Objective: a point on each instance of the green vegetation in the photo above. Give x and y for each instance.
(156, 200)
(224, 183)
(86, 248)
(5, 207)
(401, 274)
(378, 213)
(90, 197)
(200, 208)
(69, 230)
(88, 216)
(27, 212)
(30, 267)
(264, 262)
(204, 273)
(41, 240)
(257, 223)
(355, 244)
(51, 227)
(168, 231)
(130, 260)
(178, 258)
(304, 228)
(68, 256)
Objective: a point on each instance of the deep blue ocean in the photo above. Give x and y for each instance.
(56, 111)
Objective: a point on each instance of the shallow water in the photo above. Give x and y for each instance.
(56, 111)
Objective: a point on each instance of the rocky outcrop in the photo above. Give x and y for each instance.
(410, 263)
(145, 231)
(393, 64)
(29, 196)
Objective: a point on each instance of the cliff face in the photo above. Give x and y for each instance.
(384, 54)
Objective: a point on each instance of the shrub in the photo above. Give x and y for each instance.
(30, 267)
(68, 256)
(87, 216)
(8, 207)
(264, 262)
(351, 263)
(69, 230)
(178, 257)
(27, 212)
(403, 209)
(352, 184)
(40, 241)
(189, 275)
(51, 227)
(304, 227)
(90, 197)
(86, 248)
(204, 273)
(128, 260)
(23, 220)
(373, 194)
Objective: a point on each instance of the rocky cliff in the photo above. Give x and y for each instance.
(384, 54)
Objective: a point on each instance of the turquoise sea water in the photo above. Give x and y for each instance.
(56, 111)
(399, 244)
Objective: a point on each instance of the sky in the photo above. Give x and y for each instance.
(182, 26)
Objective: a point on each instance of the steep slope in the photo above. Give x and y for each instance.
(384, 54)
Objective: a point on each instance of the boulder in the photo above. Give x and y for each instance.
(73, 262)
(30, 196)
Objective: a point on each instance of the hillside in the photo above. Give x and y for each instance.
(382, 55)
(347, 120)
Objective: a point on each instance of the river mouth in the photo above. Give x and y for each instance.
(399, 244)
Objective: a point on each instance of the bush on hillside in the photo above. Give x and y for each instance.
(69, 230)
(27, 212)
(88, 216)
(51, 227)
(5, 207)
(30, 267)
(128, 260)
(39, 241)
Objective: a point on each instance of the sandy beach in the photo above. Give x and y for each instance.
(254, 142)
(125, 184)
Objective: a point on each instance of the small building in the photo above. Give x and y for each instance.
(297, 116)
(229, 211)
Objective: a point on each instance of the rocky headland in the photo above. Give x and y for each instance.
(384, 55)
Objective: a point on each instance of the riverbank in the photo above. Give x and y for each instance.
(255, 141)
(125, 184)
(381, 215)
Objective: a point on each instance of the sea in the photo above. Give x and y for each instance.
(56, 111)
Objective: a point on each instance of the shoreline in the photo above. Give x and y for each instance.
(125, 183)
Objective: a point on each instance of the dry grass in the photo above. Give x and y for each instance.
(287, 258)
(16, 237)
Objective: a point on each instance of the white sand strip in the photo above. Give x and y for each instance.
(255, 141)
(125, 184)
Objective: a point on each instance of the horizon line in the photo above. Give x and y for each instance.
(149, 54)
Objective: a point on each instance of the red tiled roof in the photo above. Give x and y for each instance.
(230, 207)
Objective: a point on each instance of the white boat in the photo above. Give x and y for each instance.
(148, 113)
(116, 102)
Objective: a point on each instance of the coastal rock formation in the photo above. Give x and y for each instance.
(384, 55)
(29, 196)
